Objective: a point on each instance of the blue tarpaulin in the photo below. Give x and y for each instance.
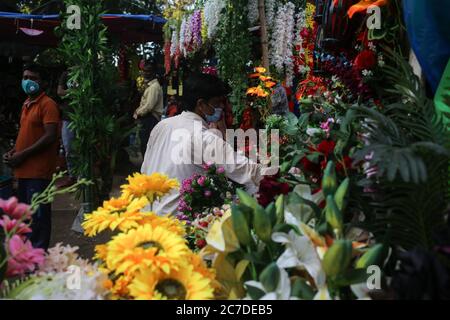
(39, 29)
(429, 33)
(141, 17)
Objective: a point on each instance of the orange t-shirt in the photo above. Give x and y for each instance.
(35, 114)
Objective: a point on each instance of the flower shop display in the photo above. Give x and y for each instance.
(148, 257)
(362, 182)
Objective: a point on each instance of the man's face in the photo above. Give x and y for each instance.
(29, 75)
(148, 72)
(216, 102)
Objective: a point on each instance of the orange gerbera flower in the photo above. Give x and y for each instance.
(261, 69)
(363, 5)
(254, 75)
(270, 84)
(262, 93)
(252, 91)
(264, 78)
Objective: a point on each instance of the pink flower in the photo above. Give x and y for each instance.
(22, 257)
(14, 209)
(208, 165)
(326, 125)
(220, 170)
(208, 193)
(201, 181)
(9, 225)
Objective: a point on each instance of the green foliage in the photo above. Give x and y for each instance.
(94, 100)
(408, 145)
(233, 47)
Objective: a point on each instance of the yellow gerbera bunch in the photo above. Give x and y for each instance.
(118, 213)
(152, 186)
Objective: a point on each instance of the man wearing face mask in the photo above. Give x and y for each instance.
(167, 150)
(34, 156)
(151, 107)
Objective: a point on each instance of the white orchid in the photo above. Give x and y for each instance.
(297, 213)
(282, 291)
(300, 253)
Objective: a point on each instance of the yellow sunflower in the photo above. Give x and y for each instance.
(101, 252)
(184, 284)
(119, 288)
(118, 213)
(146, 247)
(200, 266)
(151, 186)
(171, 224)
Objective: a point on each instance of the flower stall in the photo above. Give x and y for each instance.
(357, 210)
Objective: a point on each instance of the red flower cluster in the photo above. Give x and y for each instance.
(269, 188)
(365, 60)
(326, 149)
(167, 60)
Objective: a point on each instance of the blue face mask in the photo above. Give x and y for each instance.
(216, 116)
(30, 87)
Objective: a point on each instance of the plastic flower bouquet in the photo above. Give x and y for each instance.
(202, 192)
(148, 257)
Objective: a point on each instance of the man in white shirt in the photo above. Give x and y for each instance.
(178, 146)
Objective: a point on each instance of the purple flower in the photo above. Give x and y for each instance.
(207, 193)
(196, 27)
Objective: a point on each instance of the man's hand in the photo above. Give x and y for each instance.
(16, 159)
(8, 155)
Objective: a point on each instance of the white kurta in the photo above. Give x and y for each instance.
(178, 147)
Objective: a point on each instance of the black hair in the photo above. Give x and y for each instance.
(35, 68)
(202, 86)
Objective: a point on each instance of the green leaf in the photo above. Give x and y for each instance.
(270, 277)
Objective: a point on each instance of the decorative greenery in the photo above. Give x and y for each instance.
(408, 145)
(233, 46)
(85, 52)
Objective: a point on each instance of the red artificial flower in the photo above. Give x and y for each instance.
(326, 147)
(347, 163)
(365, 60)
(269, 188)
(200, 243)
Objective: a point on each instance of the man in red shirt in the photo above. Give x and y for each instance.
(35, 153)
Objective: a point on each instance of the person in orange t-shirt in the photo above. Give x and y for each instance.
(35, 153)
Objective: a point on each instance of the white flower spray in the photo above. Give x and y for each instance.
(212, 12)
(282, 41)
(253, 11)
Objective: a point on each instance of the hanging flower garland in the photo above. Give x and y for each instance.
(195, 26)
(167, 60)
(270, 13)
(253, 13)
(304, 42)
(174, 45)
(212, 12)
(281, 44)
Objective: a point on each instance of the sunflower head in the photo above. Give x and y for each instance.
(184, 284)
(152, 186)
(146, 248)
(171, 224)
(117, 213)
